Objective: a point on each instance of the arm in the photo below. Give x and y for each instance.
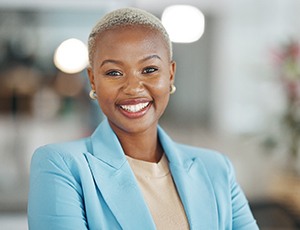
(55, 200)
(242, 218)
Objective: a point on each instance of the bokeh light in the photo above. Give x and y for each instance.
(71, 56)
(184, 23)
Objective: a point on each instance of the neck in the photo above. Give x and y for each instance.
(142, 146)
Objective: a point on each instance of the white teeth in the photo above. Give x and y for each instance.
(135, 108)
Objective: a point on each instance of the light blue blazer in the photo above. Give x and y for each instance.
(88, 184)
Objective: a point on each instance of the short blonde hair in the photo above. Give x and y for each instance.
(127, 17)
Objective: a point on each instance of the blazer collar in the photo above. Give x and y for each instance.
(193, 185)
(106, 146)
(119, 187)
(116, 181)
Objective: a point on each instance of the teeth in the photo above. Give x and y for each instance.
(135, 108)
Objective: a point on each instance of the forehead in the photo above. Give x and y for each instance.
(122, 37)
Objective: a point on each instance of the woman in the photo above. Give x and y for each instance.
(129, 174)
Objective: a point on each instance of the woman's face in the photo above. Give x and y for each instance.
(132, 74)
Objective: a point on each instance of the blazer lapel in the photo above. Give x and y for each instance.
(116, 181)
(193, 185)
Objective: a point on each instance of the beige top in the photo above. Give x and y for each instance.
(160, 193)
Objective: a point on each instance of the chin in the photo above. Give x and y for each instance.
(134, 126)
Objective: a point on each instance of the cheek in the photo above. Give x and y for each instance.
(105, 95)
(162, 88)
(161, 93)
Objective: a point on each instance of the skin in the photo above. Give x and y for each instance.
(132, 65)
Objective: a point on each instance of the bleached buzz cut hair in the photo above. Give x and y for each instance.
(127, 17)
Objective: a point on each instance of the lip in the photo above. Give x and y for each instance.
(134, 115)
(133, 101)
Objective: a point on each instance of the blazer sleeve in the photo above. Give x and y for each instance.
(55, 198)
(242, 218)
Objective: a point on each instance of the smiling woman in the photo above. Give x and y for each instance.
(131, 77)
(129, 174)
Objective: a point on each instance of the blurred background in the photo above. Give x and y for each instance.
(238, 91)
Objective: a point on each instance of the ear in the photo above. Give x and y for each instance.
(91, 77)
(172, 71)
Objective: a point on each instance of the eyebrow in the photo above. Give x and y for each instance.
(110, 61)
(119, 62)
(150, 57)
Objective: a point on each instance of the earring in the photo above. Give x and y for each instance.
(93, 94)
(172, 89)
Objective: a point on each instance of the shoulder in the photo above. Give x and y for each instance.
(60, 152)
(186, 152)
(63, 162)
(208, 156)
(187, 155)
(214, 162)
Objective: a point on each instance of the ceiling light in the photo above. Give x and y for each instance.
(71, 56)
(184, 23)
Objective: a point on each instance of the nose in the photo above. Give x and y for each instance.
(133, 85)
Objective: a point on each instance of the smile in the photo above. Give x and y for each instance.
(135, 108)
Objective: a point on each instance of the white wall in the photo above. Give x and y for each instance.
(245, 84)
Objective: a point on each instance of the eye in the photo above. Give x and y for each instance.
(113, 73)
(149, 70)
